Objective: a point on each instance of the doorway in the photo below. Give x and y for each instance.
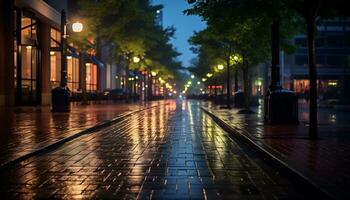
(27, 71)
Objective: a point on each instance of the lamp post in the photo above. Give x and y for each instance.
(281, 105)
(61, 95)
(150, 85)
(220, 67)
(136, 60)
(235, 58)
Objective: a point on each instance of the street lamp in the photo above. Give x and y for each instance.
(235, 58)
(61, 94)
(192, 76)
(209, 75)
(204, 79)
(136, 59)
(220, 67)
(77, 27)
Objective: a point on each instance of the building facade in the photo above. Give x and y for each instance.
(25, 31)
(30, 55)
(332, 61)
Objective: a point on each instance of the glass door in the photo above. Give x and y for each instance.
(27, 61)
(29, 75)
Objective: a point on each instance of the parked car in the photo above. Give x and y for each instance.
(116, 94)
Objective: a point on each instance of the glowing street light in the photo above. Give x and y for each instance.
(220, 67)
(198, 83)
(192, 76)
(77, 27)
(153, 73)
(209, 75)
(136, 59)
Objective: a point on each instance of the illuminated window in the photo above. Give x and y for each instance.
(55, 38)
(91, 77)
(28, 30)
(55, 68)
(55, 58)
(73, 73)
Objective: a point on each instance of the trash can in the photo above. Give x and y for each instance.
(60, 99)
(281, 107)
(239, 99)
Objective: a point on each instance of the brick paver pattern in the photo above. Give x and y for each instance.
(174, 151)
(324, 161)
(27, 129)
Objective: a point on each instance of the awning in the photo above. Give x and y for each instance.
(93, 59)
(72, 52)
(136, 73)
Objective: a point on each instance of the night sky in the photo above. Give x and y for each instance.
(185, 25)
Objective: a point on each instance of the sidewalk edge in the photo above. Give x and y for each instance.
(60, 142)
(268, 152)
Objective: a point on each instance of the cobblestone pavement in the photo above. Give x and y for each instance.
(324, 161)
(173, 151)
(24, 129)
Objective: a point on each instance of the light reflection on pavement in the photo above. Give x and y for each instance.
(174, 151)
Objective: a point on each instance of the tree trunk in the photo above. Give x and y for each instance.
(228, 83)
(216, 91)
(311, 25)
(310, 16)
(246, 85)
(236, 80)
(150, 85)
(127, 82)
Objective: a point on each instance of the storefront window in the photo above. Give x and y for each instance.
(28, 30)
(73, 73)
(55, 38)
(55, 68)
(55, 58)
(91, 77)
(300, 86)
(27, 73)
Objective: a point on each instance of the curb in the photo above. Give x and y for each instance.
(270, 154)
(60, 142)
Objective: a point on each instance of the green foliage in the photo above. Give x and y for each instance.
(129, 25)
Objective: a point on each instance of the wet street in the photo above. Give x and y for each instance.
(173, 151)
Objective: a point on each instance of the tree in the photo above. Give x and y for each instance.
(130, 26)
(310, 11)
(232, 35)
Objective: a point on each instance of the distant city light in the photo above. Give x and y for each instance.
(154, 73)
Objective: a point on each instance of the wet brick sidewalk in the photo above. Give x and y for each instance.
(324, 161)
(25, 129)
(174, 151)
